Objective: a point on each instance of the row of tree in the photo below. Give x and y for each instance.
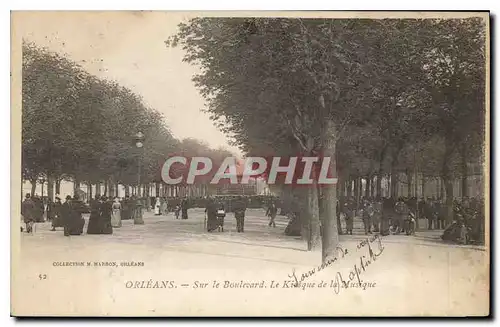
(381, 96)
(81, 128)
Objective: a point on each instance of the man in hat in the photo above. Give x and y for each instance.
(239, 208)
(66, 215)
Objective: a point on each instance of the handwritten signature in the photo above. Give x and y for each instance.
(352, 279)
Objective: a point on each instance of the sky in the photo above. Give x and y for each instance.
(129, 47)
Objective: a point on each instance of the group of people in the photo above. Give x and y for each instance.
(163, 206)
(106, 213)
(216, 212)
(394, 216)
(67, 215)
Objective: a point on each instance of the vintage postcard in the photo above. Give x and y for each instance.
(250, 164)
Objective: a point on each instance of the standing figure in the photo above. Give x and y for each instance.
(211, 212)
(177, 211)
(133, 207)
(73, 220)
(240, 207)
(271, 212)
(402, 210)
(367, 217)
(349, 208)
(221, 214)
(95, 224)
(66, 215)
(28, 211)
(184, 208)
(428, 213)
(39, 210)
(116, 219)
(105, 213)
(337, 212)
(50, 210)
(164, 207)
(125, 214)
(57, 219)
(157, 207)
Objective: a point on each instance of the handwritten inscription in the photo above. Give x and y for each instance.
(352, 279)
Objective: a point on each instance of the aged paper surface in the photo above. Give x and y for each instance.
(396, 89)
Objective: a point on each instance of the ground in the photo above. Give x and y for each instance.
(405, 275)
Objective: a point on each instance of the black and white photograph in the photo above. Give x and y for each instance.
(250, 164)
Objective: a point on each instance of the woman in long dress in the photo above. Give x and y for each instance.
(157, 207)
(94, 226)
(106, 207)
(116, 220)
(211, 212)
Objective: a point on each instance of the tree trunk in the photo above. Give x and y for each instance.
(76, 186)
(330, 235)
(105, 188)
(368, 187)
(90, 192)
(423, 187)
(33, 187)
(409, 178)
(356, 189)
(379, 184)
(157, 189)
(50, 186)
(313, 240)
(58, 186)
(448, 180)
(463, 168)
(111, 186)
(147, 191)
(394, 184)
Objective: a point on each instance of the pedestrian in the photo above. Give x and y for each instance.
(95, 224)
(38, 209)
(367, 217)
(28, 212)
(349, 209)
(377, 215)
(428, 213)
(56, 212)
(116, 220)
(157, 207)
(271, 212)
(440, 213)
(402, 210)
(221, 214)
(50, 210)
(337, 212)
(184, 208)
(66, 215)
(164, 207)
(239, 213)
(211, 213)
(126, 214)
(105, 215)
(76, 221)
